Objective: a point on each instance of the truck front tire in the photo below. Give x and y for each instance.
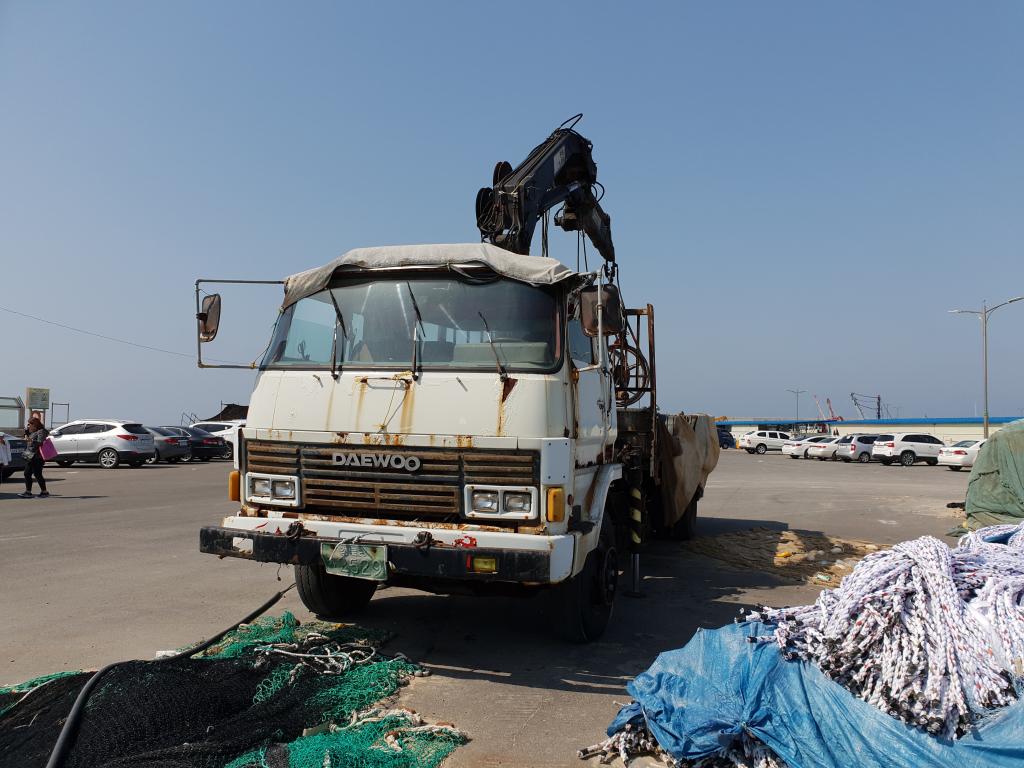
(582, 605)
(331, 596)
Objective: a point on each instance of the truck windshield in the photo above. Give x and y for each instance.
(380, 323)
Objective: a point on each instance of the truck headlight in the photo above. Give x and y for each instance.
(283, 489)
(485, 501)
(518, 502)
(259, 486)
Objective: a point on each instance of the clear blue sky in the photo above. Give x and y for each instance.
(801, 189)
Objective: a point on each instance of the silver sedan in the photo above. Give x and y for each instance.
(824, 450)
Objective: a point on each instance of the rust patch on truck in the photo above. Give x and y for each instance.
(531, 529)
(383, 438)
(507, 386)
(464, 441)
(361, 387)
(407, 406)
(382, 521)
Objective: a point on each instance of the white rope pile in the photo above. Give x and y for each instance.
(626, 744)
(633, 741)
(321, 654)
(413, 724)
(930, 635)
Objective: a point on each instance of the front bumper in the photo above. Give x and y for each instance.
(536, 559)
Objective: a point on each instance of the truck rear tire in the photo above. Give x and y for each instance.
(331, 596)
(685, 528)
(582, 605)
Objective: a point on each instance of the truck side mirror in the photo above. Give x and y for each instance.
(209, 317)
(612, 321)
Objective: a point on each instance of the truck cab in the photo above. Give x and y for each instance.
(440, 417)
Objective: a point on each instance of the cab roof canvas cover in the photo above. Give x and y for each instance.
(534, 270)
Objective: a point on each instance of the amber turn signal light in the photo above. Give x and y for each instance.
(556, 505)
(234, 483)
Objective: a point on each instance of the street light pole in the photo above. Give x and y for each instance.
(983, 314)
(984, 362)
(797, 392)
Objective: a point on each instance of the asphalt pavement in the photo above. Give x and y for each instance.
(108, 568)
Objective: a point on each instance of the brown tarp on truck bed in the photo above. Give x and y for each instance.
(688, 450)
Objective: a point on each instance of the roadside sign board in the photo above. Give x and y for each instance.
(37, 398)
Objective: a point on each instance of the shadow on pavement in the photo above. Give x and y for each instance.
(8, 494)
(508, 640)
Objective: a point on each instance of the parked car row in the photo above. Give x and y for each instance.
(17, 463)
(905, 448)
(113, 442)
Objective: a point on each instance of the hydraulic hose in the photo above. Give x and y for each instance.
(67, 734)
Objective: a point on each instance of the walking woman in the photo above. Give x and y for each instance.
(34, 436)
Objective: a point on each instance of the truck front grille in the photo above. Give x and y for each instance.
(373, 480)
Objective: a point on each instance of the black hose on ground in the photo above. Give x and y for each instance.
(67, 734)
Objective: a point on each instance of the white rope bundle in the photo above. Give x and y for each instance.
(930, 635)
(635, 740)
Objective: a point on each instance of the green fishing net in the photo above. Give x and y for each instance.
(235, 706)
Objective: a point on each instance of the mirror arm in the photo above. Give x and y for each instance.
(201, 317)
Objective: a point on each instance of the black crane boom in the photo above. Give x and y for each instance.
(560, 171)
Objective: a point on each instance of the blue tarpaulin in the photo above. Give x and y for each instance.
(697, 700)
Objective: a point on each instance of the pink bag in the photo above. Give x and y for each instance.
(48, 450)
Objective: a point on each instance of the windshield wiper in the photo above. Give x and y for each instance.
(334, 343)
(490, 340)
(415, 340)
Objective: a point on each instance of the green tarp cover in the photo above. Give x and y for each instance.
(995, 492)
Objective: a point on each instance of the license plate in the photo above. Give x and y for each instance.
(359, 561)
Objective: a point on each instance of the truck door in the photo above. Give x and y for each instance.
(590, 395)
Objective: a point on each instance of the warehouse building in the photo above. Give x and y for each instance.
(949, 430)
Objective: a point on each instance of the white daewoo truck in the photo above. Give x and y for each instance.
(456, 418)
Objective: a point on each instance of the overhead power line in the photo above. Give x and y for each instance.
(102, 335)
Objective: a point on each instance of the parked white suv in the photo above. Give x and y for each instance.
(763, 441)
(856, 448)
(907, 448)
(108, 441)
